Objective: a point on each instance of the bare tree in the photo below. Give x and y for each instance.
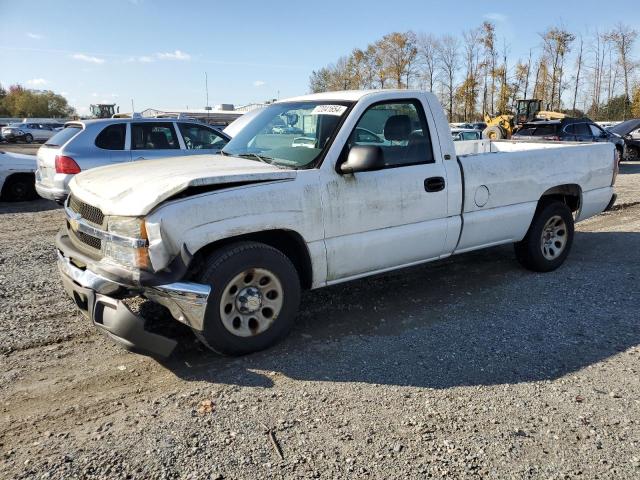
(578, 69)
(557, 42)
(468, 91)
(449, 60)
(489, 64)
(622, 38)
(428, 47)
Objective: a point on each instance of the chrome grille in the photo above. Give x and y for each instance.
(88, 240)
(89, 213)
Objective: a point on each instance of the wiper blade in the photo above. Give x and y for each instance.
(260, 158)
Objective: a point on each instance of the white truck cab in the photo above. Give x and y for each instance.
(300, 198)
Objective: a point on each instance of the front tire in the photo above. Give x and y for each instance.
(254, 300)
(28, 138)
(633, 154)
(548, 240)
(494, 132)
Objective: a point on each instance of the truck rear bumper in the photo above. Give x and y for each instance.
(95, 297)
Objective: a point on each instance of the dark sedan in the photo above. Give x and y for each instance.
(569, 130)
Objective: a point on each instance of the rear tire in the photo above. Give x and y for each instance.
(19, 188)
(549, 238)
(633, 154)
(254, 300)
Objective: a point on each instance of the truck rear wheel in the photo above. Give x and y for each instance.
(548, 240)
(254, 300)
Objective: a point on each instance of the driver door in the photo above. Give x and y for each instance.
(396, 216)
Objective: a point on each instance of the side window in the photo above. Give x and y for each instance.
(153, 136)
(545, 130)
(112, 137)
(199, 137)
(595, 131)
(401, 131)
(470, 136)
(570, 129)
(582, 129)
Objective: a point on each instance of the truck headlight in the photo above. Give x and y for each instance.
(128, 246)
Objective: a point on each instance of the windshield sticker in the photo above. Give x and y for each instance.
(329, 110)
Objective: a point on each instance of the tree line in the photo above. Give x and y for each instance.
(473, 75)
(18, 101)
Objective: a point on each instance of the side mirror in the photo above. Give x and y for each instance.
(363, 158)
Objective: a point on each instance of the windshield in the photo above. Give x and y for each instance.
(291, 134)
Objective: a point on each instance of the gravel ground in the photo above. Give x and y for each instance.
(466, 368)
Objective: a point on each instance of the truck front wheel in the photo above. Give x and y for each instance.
(255, 294)
(548, 240)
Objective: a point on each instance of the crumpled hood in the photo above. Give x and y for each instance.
(136, 188)
(625, 128)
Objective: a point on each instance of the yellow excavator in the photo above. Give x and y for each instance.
(504, 125)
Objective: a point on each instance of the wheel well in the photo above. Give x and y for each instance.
(28, 177)
(569, 194)
(287, 241)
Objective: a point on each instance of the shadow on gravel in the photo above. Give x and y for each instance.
(39, 205)
(475, 319)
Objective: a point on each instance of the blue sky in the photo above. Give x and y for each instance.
(156, 52)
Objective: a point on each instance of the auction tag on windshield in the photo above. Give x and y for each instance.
(329, 110)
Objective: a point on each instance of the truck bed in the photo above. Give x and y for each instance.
(502, 181)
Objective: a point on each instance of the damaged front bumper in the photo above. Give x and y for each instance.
(100, 299)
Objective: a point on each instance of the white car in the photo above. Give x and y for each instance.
(17, 176)
(28, 132)
(227, 242)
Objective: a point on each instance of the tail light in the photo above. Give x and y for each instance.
(66, 165)
(555, 138)
(616, 167)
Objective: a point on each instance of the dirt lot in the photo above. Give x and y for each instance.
(467, 368)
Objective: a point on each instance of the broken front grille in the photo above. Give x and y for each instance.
(89, 213)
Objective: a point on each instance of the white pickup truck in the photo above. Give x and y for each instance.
(314, 191)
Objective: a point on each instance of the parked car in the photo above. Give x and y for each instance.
(27, 132)
(629, 131)
(462, 134)
(479, 126)
(227, 242)
(87, 144)
(17, 177)
(569, 130)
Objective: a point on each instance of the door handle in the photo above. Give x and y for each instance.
(140, 158)
(434, 184)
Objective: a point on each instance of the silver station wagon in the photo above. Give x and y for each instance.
(85, 144)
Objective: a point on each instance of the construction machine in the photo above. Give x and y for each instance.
(103, 110)
(528, 110)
